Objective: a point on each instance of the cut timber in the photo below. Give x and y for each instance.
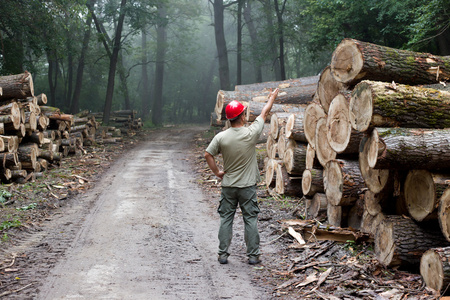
(335, 215)
(401, 148)
(271, 167)
(282, 142)
(355, 215)
(11, 116)
(328, 88)
(277, 121)
(311, 159)
(264, 134)
(324, 152)
(295, 159)
(343, 182)
(354, 60)
(254, 109)
(312, 182)
(370, 223)
(302, 81)
(422, 192)
(313, 113)
(17, 86)
(435, 268)
(41, 99)
(317, 205)
(400, 241)
(294, 128)
(270, 143)
(338, 124)
(444, 213)
(287, 185)
(375, 179)
(381, 104)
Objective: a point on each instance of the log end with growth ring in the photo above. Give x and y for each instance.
(313, 113)
(419, 194)
(333, 182)
(219, 105)
(306, 182)
(444, 214)
(327, 88)
(347, 61)
(324, 151)
(361, 107)
(375, 179)
(384, 243)
(274, 126)
(432, 270)
(289, 125)
(339, 128)
(288, 159)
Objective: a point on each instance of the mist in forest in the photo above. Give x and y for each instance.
(167, 59)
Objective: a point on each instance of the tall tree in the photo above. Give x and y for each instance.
(280, 32)
(254, 41)
(161, 47)
(239, 42)
(145, 96)
(222, 52)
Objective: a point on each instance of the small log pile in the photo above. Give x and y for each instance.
(34, 136)
(370, 149)
(126, 120)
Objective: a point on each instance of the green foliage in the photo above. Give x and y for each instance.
(27, 207)
(4, 196)
(10, 223)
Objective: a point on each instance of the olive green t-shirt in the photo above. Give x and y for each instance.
(237, 146)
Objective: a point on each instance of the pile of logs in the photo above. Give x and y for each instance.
(370, 149)
(34, 136)
(123, 119)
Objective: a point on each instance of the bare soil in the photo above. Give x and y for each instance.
(138, 220)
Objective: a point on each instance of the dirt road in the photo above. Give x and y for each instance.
(148, 233)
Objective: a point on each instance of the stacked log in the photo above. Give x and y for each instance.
(126, 120)
(34, 136)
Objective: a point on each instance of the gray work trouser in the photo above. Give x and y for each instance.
(247, 200)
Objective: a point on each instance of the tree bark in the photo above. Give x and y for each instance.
(277, 121)
(295, 127)
(309, 82)
(221, 45)
(254, 109)
(343, 183)
(380, 104)
(435, 268)
(401, 148)
(353, 61)
(254, 40)
(316, 205)
(400, 241)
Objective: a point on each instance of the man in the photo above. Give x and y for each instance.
(239, 176)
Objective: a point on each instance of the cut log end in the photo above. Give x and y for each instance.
(361, 107)
(375, 179)
(313, 113)
(338, 124)
(384, 243)
(306, 182)
(324, 151)
(419, 194)
(432, 270)
(347, 61)
(333, 182)
(444, 214)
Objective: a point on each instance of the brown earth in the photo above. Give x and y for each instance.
(51, 216)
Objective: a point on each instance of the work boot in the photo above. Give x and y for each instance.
(254, 260)
(223, 259)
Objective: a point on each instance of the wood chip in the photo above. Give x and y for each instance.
(296, 235)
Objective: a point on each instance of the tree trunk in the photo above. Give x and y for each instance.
(222, 52)
(11, 115)
(145, 95)
(313, 113)
(113, 63)
(280, 32)
(324, 152)
(161, 48)
(435, 268)
(312, 182)
(18, 86)
(254, 39)
(295, 159)
(422, 192)
(328, 88)
(401, 148)
(353, 61)
(380, 104)
(375, 179)
(343, 183)
(272, 51)
(401, 242)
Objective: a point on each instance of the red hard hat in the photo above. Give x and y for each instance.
(234, 109)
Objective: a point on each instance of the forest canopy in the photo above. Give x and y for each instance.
(167, 59)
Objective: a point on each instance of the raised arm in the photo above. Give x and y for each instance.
(266, 109)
